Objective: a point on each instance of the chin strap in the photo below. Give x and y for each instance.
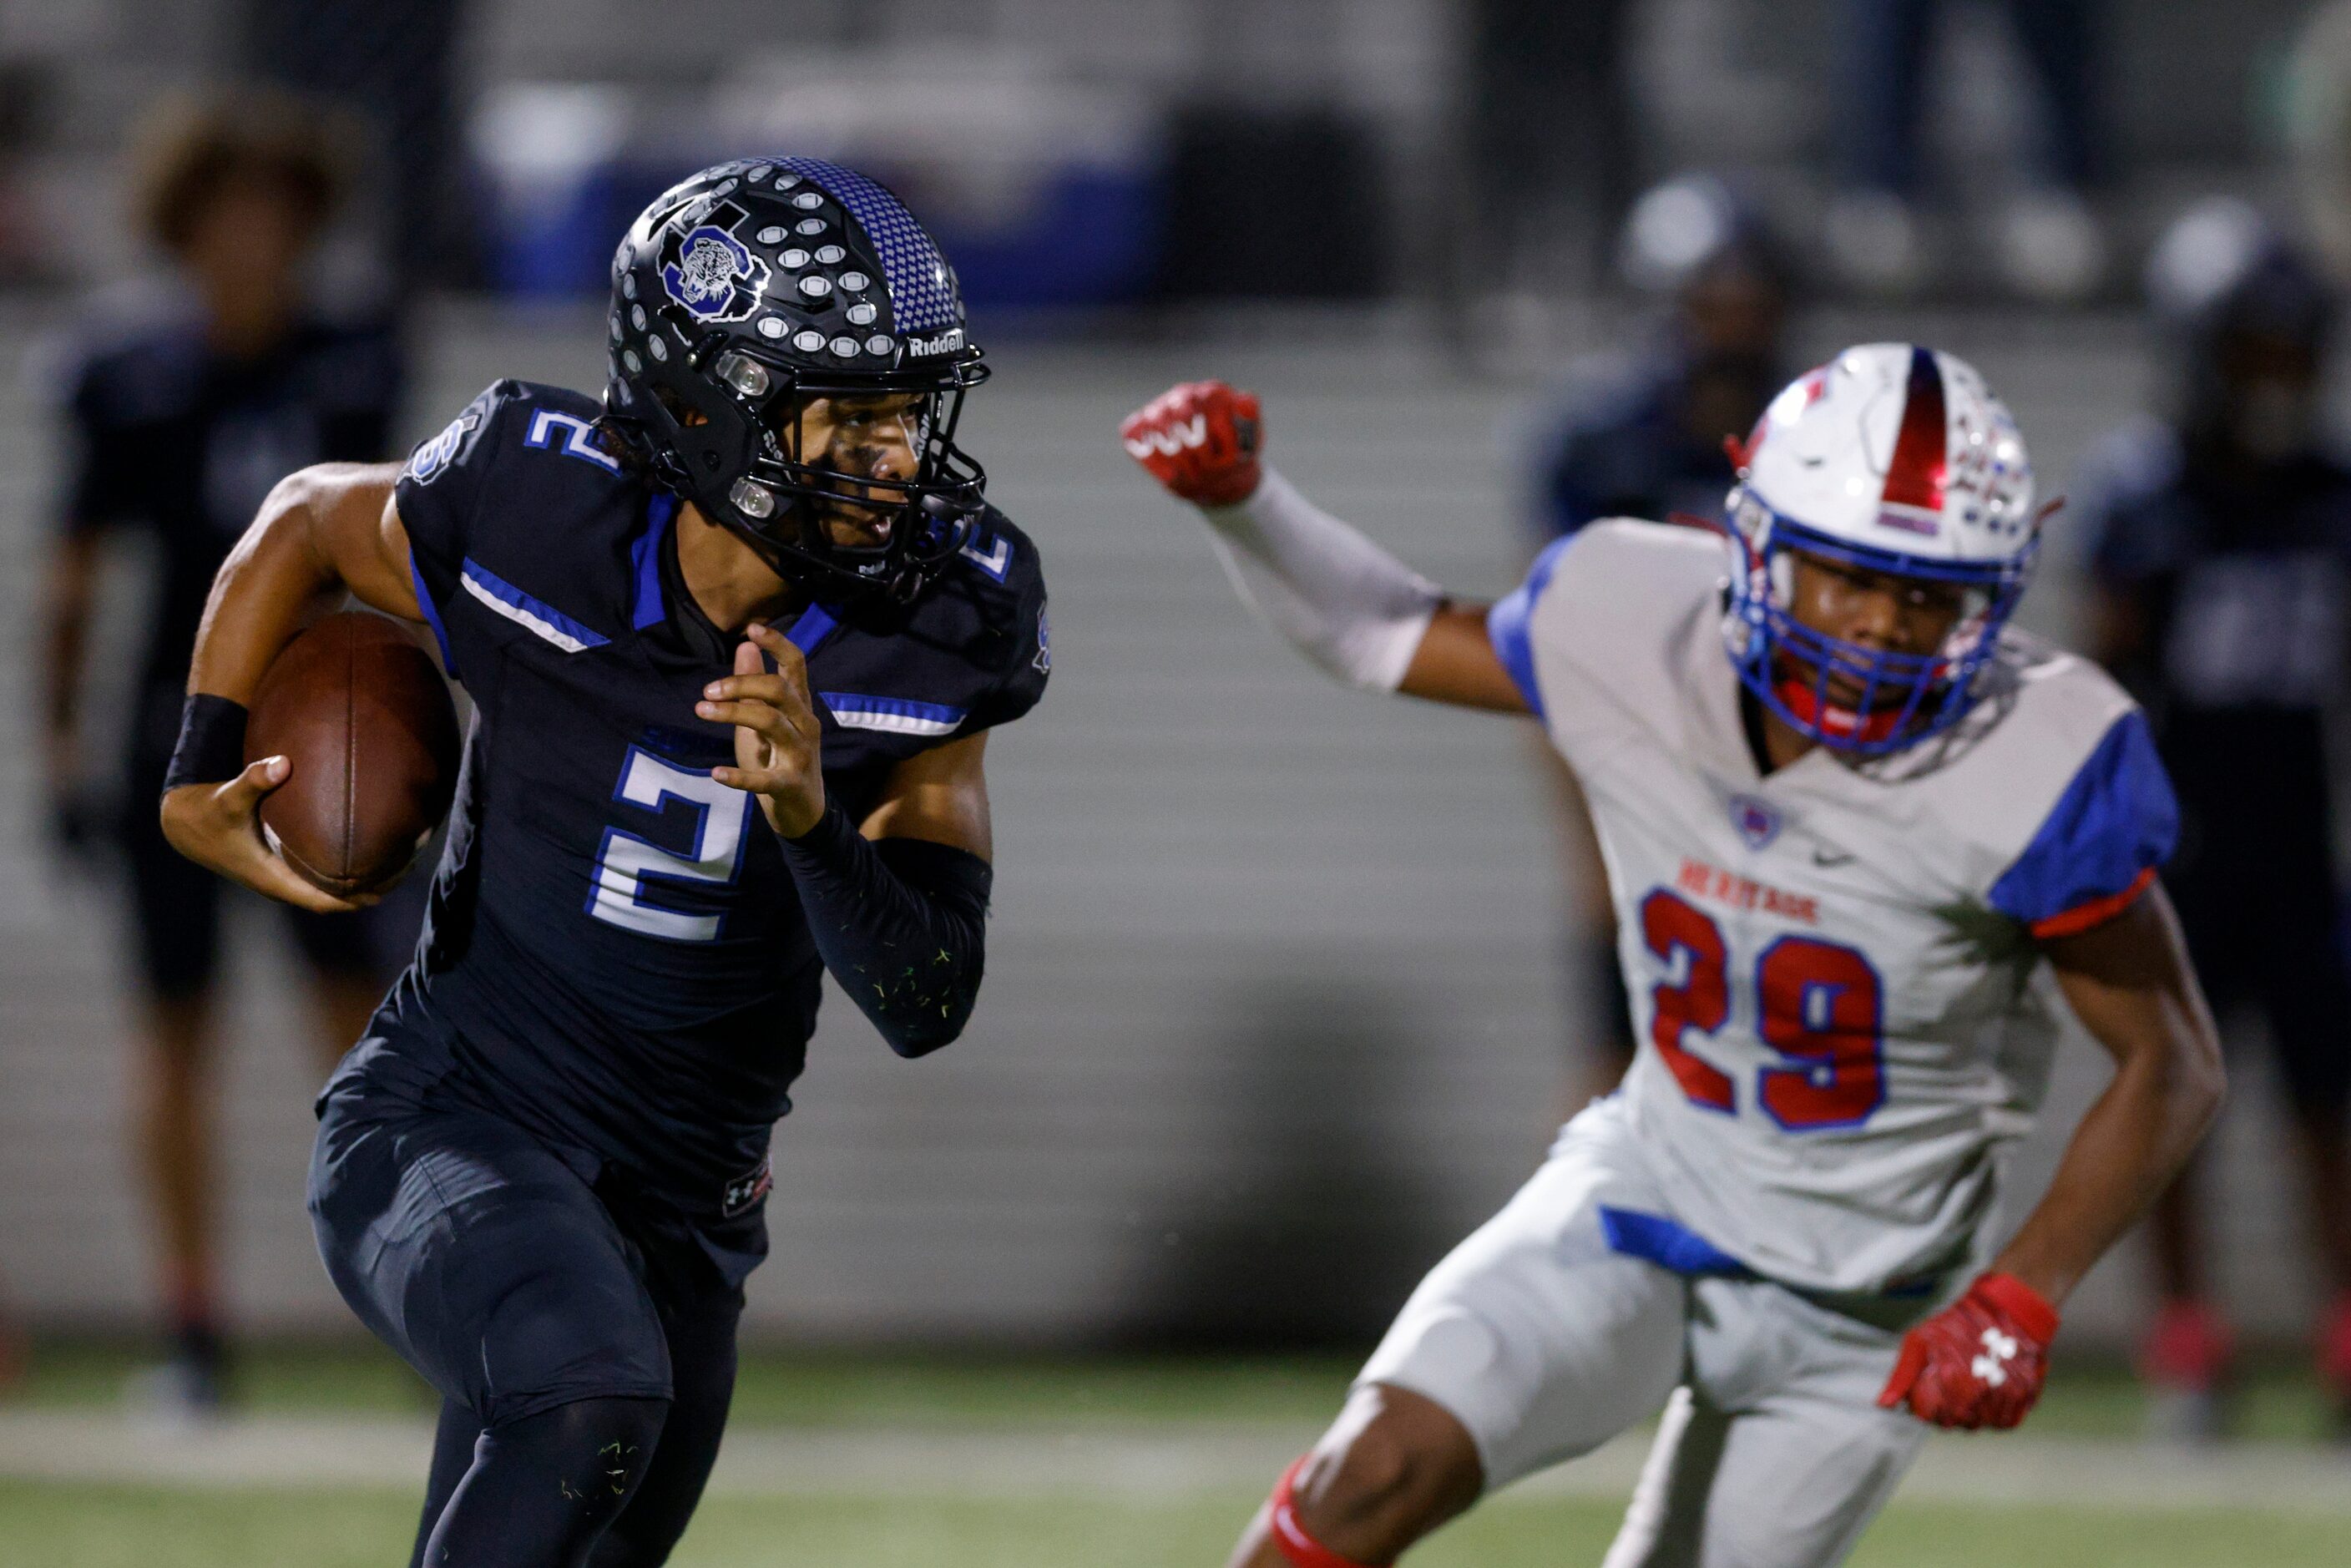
(1290, 1537)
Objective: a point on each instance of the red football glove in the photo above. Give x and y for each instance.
(1200, 439)
(1980, 1360)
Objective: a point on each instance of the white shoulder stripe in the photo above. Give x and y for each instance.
(892, 723)
(892, 715)
(522, 616)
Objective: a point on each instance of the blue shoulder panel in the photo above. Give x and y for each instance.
(814, 625)
(1506, 624)
(644, 561)
(2117, 822)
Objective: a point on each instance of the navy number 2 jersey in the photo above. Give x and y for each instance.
(616, 957)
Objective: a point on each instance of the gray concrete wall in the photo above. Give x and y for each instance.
(1273, 1011)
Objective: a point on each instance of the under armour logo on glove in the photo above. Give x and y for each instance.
(1169, 441)
(1200, 440)
(1980, 1360)
(1999, 1350)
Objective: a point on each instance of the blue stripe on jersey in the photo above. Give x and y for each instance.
(896, 716)
(536, 616)
(644, 557)
(432, 617)
(2116, 821)
(1668, 1243)
(815, 624)
(1506, 624)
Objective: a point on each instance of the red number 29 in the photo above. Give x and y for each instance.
(1702, 1001)
(1819, 1005)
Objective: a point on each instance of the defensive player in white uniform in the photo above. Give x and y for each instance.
(1840, 858)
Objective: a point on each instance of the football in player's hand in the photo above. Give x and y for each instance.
(361, 712)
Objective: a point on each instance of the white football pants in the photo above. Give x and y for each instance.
(1545, 1341)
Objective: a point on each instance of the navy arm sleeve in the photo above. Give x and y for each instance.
(902, 924)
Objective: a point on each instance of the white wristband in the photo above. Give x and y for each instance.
(1348, 605)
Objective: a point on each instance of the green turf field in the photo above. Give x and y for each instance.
(75, 1526)
(800, 1388)
(91, 1525)
(2278, 1402)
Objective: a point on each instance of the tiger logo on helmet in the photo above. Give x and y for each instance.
(716, 275)
(755, 287)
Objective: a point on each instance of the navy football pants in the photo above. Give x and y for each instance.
(493, 1267)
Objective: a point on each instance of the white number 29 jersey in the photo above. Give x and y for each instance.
(1831, 968)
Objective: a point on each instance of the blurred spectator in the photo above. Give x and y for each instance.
(394, 66)
(24, 104)
(2049, 247)
(1646, 439)
(2318, 130)
(1551, 140)
(2220, 540)
(179, 426)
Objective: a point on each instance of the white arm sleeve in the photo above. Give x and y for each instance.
(1348, 604)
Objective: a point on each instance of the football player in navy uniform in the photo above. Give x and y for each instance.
(177, 424)
(1645, 438)
(735, 638)
(2221, 569)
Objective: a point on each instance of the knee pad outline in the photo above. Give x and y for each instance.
(615, 1435)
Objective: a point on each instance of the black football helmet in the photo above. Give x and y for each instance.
(753, 286)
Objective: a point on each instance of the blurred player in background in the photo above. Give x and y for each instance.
(2221, 557)
(735, 639)
(1841, 857)
(178, 425)
(1648, 440)
(1645, 438)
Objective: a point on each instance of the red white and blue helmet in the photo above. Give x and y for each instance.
(1893, 458)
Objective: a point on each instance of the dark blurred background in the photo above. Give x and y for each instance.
(1286, 991)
